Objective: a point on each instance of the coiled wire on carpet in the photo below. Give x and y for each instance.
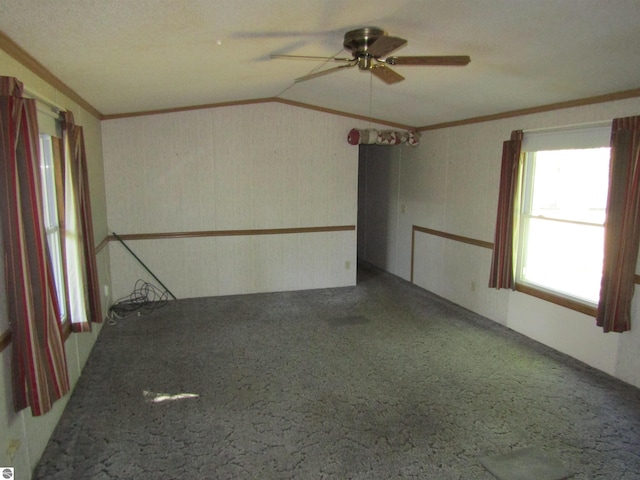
(144, 299)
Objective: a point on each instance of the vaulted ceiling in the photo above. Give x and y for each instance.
(126, 56)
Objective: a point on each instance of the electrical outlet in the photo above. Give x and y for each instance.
(12, 448)
(106, 290)
(347, 265)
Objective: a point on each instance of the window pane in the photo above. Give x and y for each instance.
(561, 242)
(566, 257)
(571, 184)
(48, 183)
(51, 218)
(54, 241)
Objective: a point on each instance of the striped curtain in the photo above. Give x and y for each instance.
(39, 366)
(82, 272)
(622, 228)
(502, 274)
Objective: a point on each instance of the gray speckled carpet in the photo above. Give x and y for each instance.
(378, 381)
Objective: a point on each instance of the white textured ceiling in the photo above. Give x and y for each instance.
(138, 55)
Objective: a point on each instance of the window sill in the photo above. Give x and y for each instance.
(558, 300)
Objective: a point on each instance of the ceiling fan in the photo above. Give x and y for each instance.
(370, 47)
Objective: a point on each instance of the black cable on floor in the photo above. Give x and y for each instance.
(144, 299)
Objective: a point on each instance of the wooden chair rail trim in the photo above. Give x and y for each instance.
(526, 289)
(5, 337)
(231, 233)
(452, 236)
(449, 236)
(5, 340)
(102, 244)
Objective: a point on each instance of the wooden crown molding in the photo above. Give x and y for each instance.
(22, 56)
(581, 102)
(344, 114)
(610, 97)
(292, 103)
(18, 53)
(115, 116)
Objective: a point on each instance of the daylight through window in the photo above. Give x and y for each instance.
(562, 215)
(51, 218)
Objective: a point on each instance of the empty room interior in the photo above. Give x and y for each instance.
(320, 239)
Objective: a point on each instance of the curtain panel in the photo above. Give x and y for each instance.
(39, 366)
(84, 288)
(502, 267)
(622, 228)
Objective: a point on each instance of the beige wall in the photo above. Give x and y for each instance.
(28, 433)
(450, 183)
(262, 166)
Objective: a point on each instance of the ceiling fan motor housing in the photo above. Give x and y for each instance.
(359, 40)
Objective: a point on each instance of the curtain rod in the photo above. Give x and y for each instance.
(42, 99)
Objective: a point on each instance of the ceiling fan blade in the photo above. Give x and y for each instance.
(450, 60)
(323, 72)
(385, 74)
(307, 57)
(385, 45)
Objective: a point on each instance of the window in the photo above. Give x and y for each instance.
(564, 185)
(63, 224)
(52, 198)
(49, 153)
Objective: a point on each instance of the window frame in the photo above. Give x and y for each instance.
(523, 211)
(51, 179)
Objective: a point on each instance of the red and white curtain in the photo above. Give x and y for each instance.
(39, 367)
(82, 272)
